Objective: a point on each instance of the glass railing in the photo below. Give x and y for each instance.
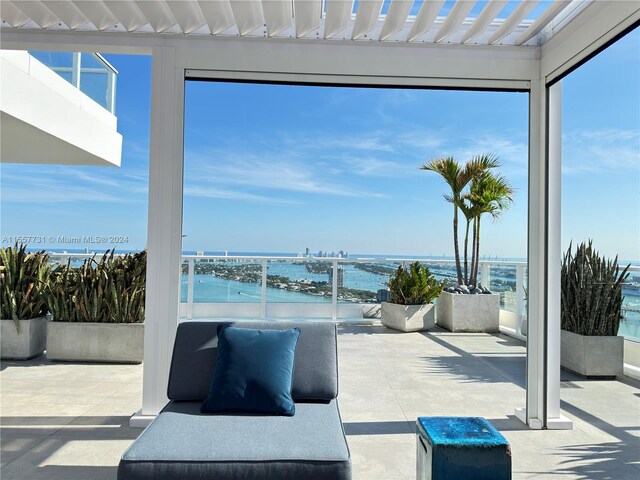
(88, 72)
(342, 288)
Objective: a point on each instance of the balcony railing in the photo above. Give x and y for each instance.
(88, 72)
(264, 287)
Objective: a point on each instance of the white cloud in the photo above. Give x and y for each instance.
(600, 151)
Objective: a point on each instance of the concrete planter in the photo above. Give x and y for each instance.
(95, 342)
(29, 343)
(469, 313)
(408, 318)
(591, 356)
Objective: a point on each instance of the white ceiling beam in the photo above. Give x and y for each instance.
(67, 12)
(278, 15)
(488, 15)
(425, 18)
(513, 21)
(218, 15)
(97, 13)
(396, 17)
(13, 15)
(543, 20)
(127, 13)
(454, 19)
(366, 17)
(37, 12)
(158, 14)
(337, 16)
(248, 15)
(188, 14)
(307, 16)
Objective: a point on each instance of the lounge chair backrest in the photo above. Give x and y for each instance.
(315, 376)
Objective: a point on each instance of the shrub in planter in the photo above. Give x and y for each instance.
(23, 277)
(411, 294)
(591, 310)
(85, 303)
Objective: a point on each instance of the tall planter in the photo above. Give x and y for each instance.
(469, 313)
(95, 342)
(408, 318)
(592, 356)
(25, 342)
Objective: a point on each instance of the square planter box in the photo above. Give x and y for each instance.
(591, 356)
(29, 343)
(469, 313)
(408, 318)
(95, 342)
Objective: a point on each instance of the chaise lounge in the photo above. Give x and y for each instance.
(182, 443)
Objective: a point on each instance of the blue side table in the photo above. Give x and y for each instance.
(461, 448)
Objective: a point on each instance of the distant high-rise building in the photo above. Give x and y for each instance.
(307, 252)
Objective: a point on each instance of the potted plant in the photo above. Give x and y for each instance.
(97, 310)
(23, 276)
(591, 310)
(475, 192)
(412, 292)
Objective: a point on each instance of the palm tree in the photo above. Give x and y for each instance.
(488, 193)
(478, 165)
(457, 178)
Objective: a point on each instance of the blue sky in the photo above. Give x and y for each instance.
(280, 168)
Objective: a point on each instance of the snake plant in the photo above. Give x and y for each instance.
(23, 276)
(110, 289)
(591, 292)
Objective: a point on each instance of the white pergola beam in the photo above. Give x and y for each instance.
(454, 19)
(187, 14)
(543, 20)
(278, 15)
(218, 15)
(37, 11)
(13, 15)
(396, 18)
(158, 14)
(597, 25)
(425, 18)
(488, 15)
(97, 13)
(67, 12)
(511, 23)
(127, 13)
(366, 17)
(307, 16)
(337, 16)
(248, 15)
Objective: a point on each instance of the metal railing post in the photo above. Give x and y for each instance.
(76, 69)
(519, 297)
(334, 291)
(190, 278)
(263, 294)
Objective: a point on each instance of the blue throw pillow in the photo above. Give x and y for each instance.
(254, 371)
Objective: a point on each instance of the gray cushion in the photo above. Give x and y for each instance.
(182, 443)
(315, 373)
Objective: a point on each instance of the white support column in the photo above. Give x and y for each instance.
(543, 339)
(164, 237)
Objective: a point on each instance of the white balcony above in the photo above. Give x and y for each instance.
(47, 120)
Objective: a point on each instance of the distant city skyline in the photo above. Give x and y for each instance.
(276, 168)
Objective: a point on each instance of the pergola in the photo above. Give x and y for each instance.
(431, 44)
